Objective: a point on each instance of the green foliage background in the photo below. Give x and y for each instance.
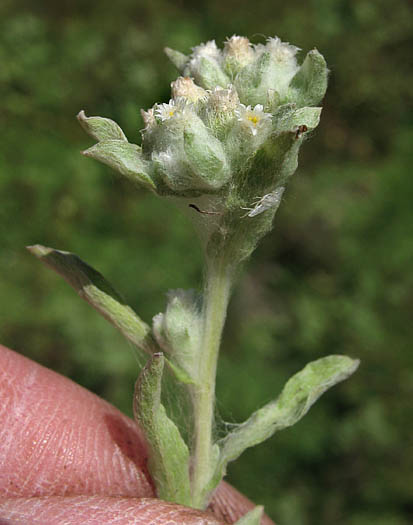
(335, 276)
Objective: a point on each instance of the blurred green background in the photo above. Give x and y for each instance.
(335, 276)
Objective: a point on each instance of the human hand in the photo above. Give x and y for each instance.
(68, 457)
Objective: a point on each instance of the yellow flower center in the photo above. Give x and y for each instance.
(254, 119)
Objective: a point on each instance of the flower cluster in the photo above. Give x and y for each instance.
(231, 128)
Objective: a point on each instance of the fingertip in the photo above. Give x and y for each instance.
(94, 510)
(60, 439)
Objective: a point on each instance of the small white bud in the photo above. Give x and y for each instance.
(283, 64)
(223, 100)
(282, 51)
(185, 87)
(238, 52)
(219, 111)
(208, 50)
(205, 66)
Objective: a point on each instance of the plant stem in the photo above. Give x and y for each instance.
(217, 291)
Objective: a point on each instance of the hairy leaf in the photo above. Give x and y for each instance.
(178, 59)
(168, 454)
(124, 157)
(309, 85)
(298, 395)
(101, 128)
(94, 289)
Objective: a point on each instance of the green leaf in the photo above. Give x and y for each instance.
(125, 158)
(94, 289)
(168, 460)
(288, 118)
(178, 59)
(277, 160)
(208, 73)
(253, 517)
(298, 395)
(101, 128)
(249, 81)
(309, 84)
(206, 157)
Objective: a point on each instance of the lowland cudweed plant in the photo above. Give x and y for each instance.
(226, 145)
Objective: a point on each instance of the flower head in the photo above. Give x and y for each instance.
(223, 100)
(253, 119)
(239, 48)
(281, 51)
(205, 66)
(185, 87)
(174, 108)
(208, 50)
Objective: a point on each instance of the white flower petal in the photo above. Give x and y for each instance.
(253, 119)
(173, 108)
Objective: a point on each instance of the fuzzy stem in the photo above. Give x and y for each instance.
(217, 292)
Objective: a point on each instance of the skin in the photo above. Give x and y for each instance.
(68, 457)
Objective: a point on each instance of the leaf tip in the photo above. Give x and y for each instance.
(355, 365)
(87, 152)
(253, 517)
(81, 115)
(38, 250)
